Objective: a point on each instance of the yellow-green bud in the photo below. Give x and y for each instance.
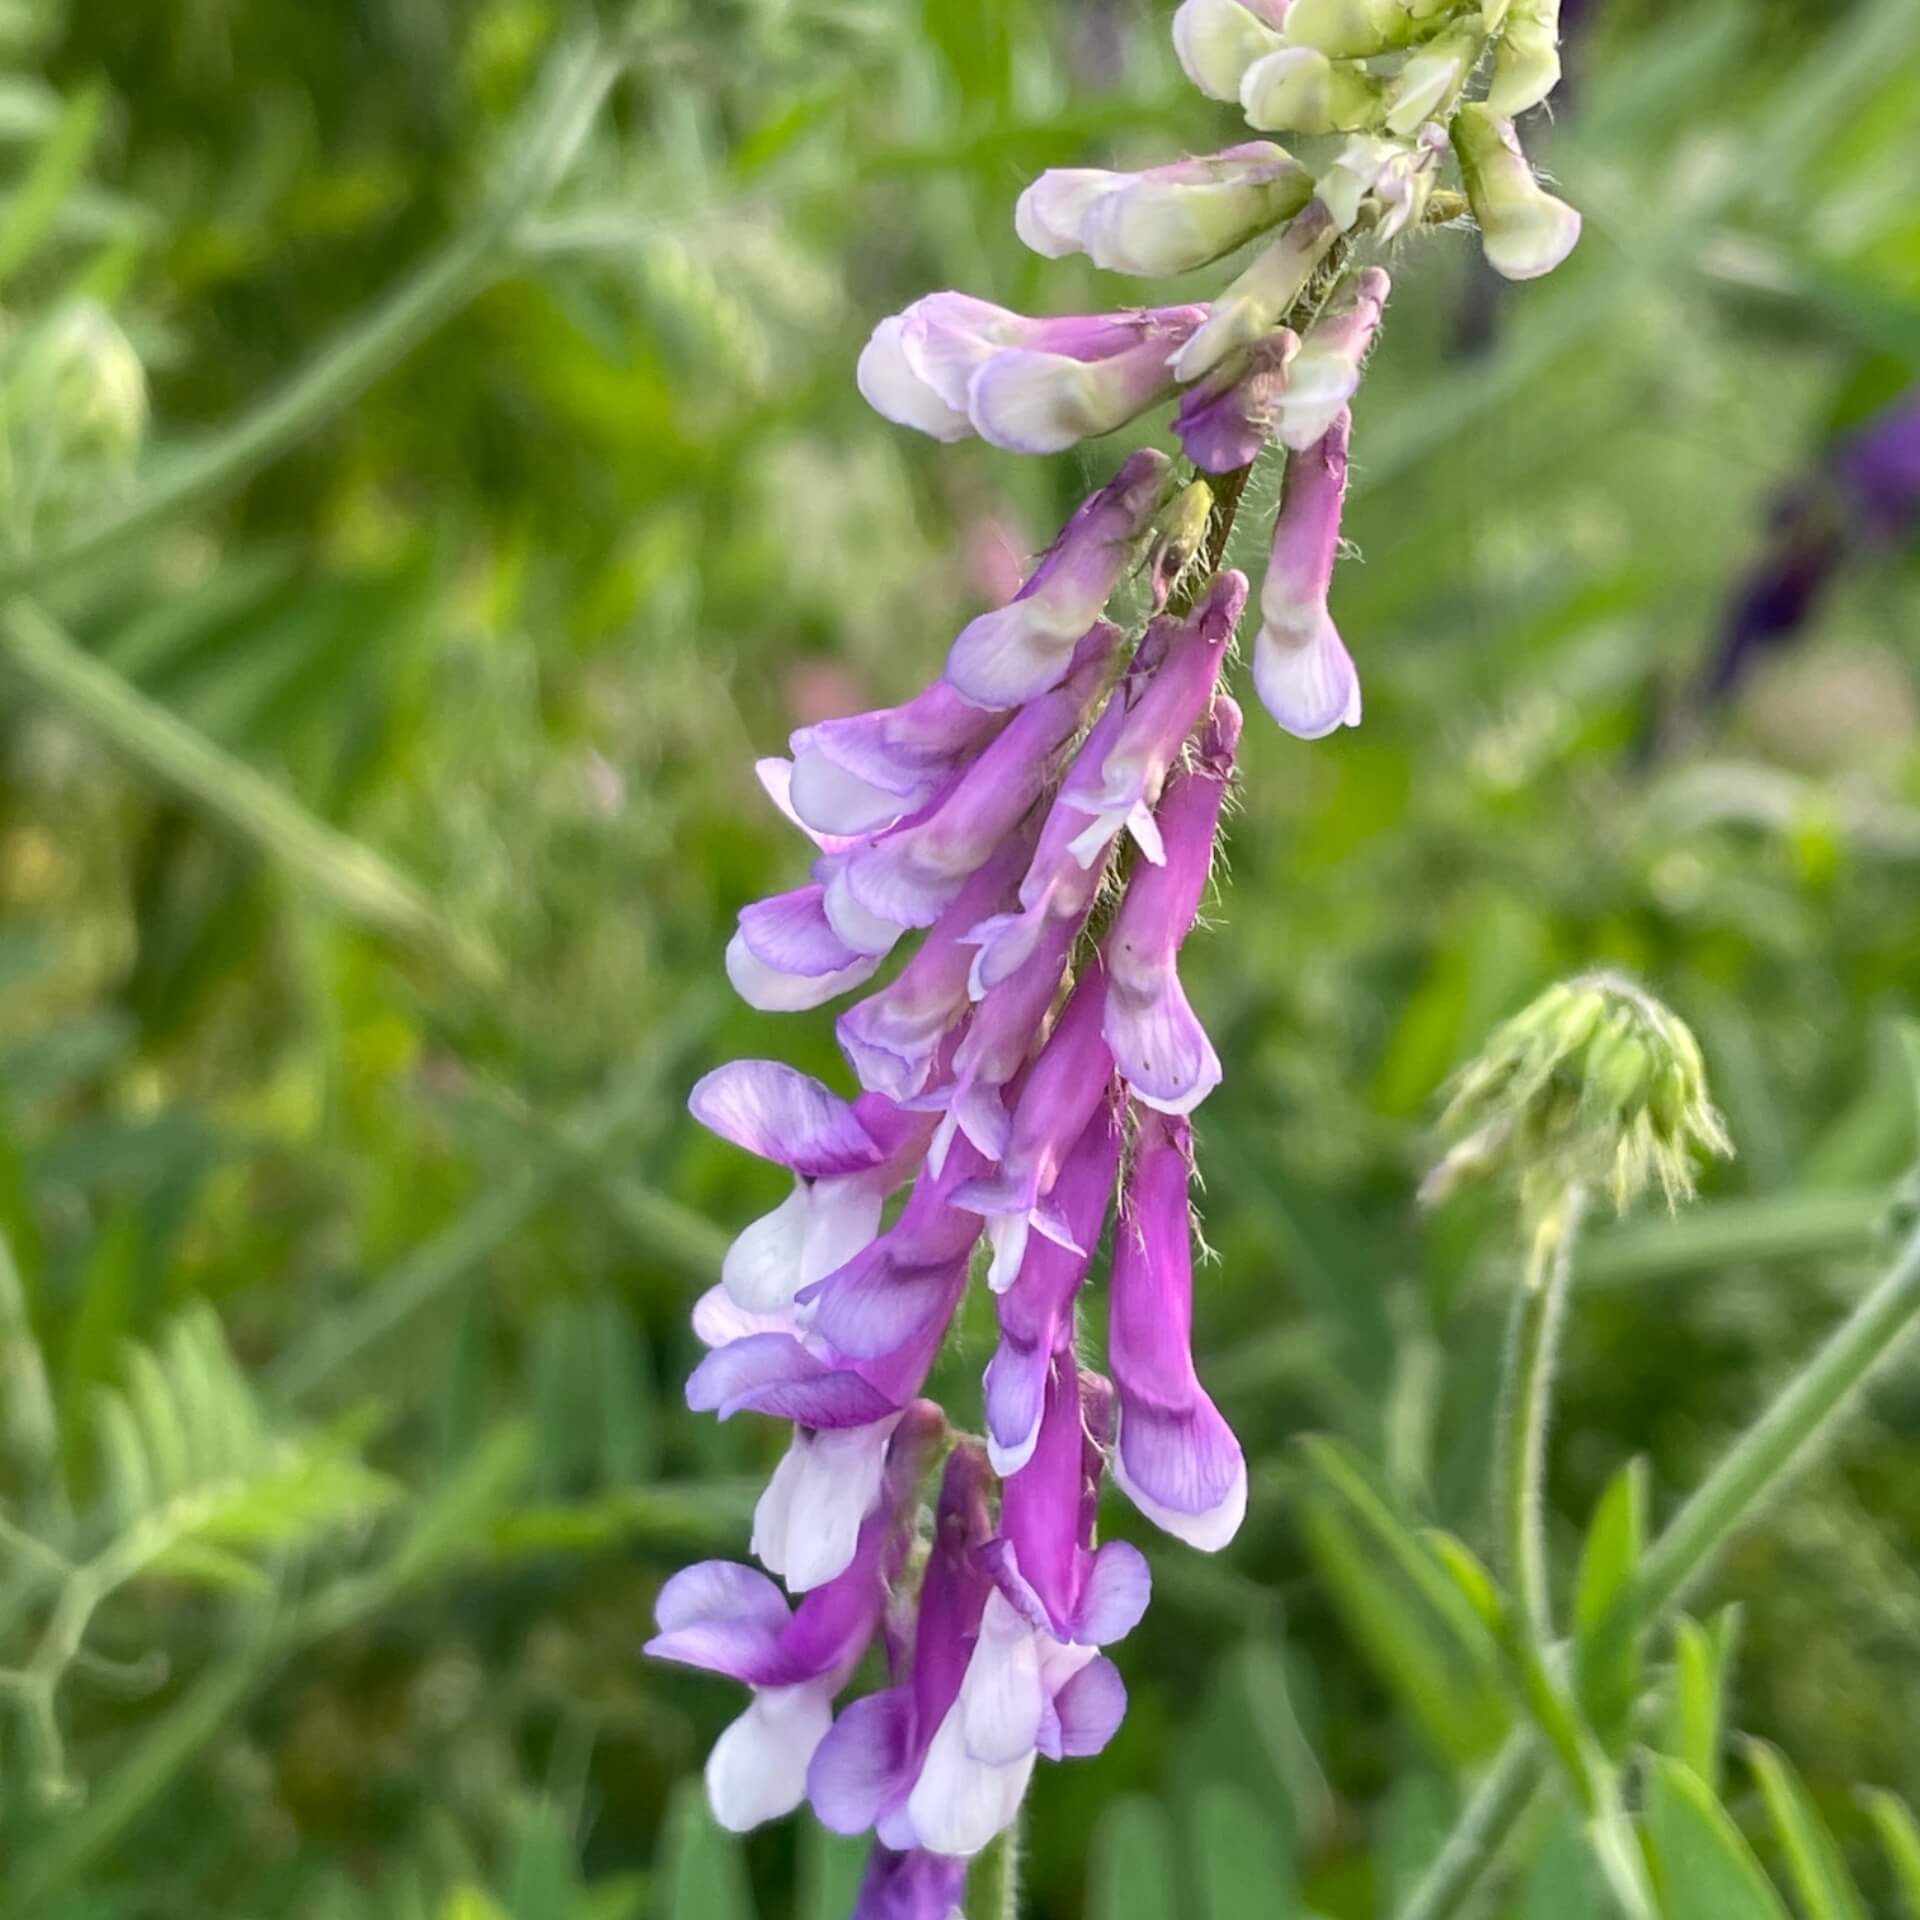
(1595, 1084)
(1524, 230)
(1527, 67)
(1427, 86)
(1350, 29)
(1299, 90)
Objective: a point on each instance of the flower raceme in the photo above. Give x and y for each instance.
(1039, 827)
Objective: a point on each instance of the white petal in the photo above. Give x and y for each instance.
(863, 931)
(894, 390)
(808, 1520)
(1049, 215)
(1209, 1531)
(830, 800)
(759, 985)
(757, 1770)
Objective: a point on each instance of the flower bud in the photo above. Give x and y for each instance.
(1258, 301)
(1217, 41)
(1430, 82)
(1524, 230)
(1299, 90)
(1350, 29)
(96, 383)
(1325, 373)
(1597, 1084)
(1527, 67)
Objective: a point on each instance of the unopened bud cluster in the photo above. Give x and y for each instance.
(1036, 830)
(1595, 1085)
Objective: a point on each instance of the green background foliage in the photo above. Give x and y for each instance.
(373, 812)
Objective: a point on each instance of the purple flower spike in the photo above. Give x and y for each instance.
(892, 1037)
(1226, 420)
(995, 1046)
(1167, 219)
(1176, 1459)
(1036, 1312)
(950, 365)
(1044, 1562)
(1158, 1043)
(1301, 667)
(733, 1621)
(1065, 1089)
(1157, 725)
(1017, 652)
(907, 878)
(865, 1769)
(863, 773)
(1326, 372)
(916, 1885)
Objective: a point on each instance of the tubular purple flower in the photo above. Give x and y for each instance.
(950, 365)
(858, 775)
(892, 1037)
(915, 1885)
(1059, 884)
(1018, 651)
(1301, 667)
(1036, 1312)
(1226, 420)
(1167, 219)
(1060, 1095)
(1175, 1458)
(786, 957)
(998, 1039)
(863, 1771)
(1177, 694)
(1255, 304)
(1157, 1041)
(731, 1620)
(1325, 374)
(1045, 1562)
(910, 876)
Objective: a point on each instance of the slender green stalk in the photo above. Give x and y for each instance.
(350, 877)
(1533, 1347)
(371, 346)
(1776, 1444)
(996, 1880)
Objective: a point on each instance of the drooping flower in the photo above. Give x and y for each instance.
(1325, 373)
(1016, 652)
(1175, 1458)
(1167, 219)
(734, 1621)
(1218, 40)
(1527, 66)
(1226, 420)
(1301, 667)
(953, 366)
(1157, 1041)
(1524, 230)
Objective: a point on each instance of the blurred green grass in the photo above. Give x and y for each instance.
(514, 623)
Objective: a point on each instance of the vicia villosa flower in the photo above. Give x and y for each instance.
(1041, 825)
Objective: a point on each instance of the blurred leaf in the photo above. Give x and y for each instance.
(1609, 1674)
(829, 1872)
(702, 1872)
(30, 211)
(1701, 1864)
(1900, 1840)
(1696, 1711)
(1814, 1862)
(1241, 1868)
(1131, 1866)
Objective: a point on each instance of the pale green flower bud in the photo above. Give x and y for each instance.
(93, 384)
(1428, 85)
(1524, 230)
(1527, 66)
(1350, 29)
(1299, 90)
(1217, 41)
(1595, 1084)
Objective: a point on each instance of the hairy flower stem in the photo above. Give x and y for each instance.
(996, 1881)
(1532, 1350)
(1773, 1447)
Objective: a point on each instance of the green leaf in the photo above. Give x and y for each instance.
(1608, 1663)
(1818, 1871)
(701, 1867)
(1696, 1705)
(1900, 1840)
(829, 1873)
(1243, 1870)
(33, 207)
(1703, 1869)
(1132, 1870)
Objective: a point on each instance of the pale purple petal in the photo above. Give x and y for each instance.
(1325, 373)
(768, 990)
(790, 934)
(854, 775)
(785, 1116)
(1227, 419)
(1090, 1707)
(773, 1374)
(865, 1764)
(915, 1885)
(894, 389)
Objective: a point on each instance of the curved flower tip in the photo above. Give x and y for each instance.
(781, 1114)
(1165, 220)
(1218, 40)
(786, 956)
(1227, 419)
(1301, 668)
(1527, 67)
(1299, 90)
(757, 1770)
(1524, 231)
(1255, 304)
(1325, 373)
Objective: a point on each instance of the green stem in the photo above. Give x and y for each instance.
(1776, 1444)
(370, 347)
(1532, 1351)
(996, 1880)
(352, 878)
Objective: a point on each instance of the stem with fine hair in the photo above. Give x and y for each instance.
(1759, 1462)
(996, 1882)
(1533, 1345)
